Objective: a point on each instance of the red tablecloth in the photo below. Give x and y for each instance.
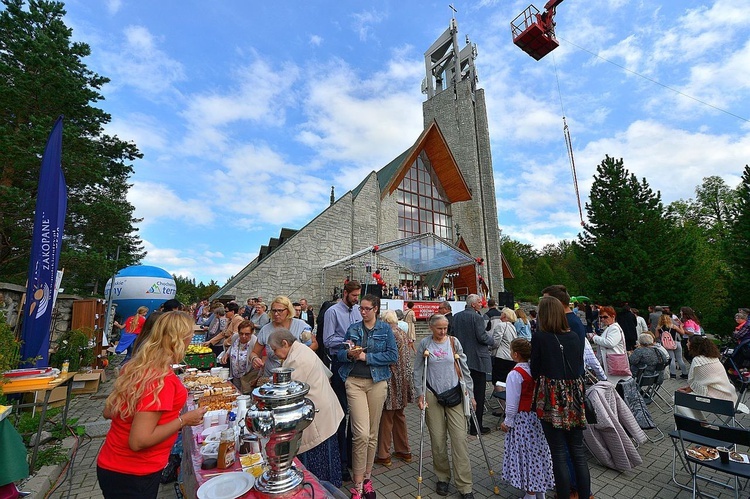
(193, 476)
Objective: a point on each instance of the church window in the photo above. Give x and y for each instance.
(422, 204)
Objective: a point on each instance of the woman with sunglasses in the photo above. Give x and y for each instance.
(365, 370)
(612, 340)
(282, 317)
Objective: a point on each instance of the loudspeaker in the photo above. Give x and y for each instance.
(505, 299)
(372, 289)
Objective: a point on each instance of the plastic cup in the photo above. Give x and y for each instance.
(723, 454)
(207, 418)
(222, 417)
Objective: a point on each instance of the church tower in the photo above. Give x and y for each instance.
(459, 108)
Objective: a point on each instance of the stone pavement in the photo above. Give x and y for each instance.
(650, 480)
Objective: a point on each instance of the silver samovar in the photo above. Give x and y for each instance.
(279, 414)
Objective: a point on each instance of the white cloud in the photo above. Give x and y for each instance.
(259, 93)
(193, 262)
(113, 6)
(140, 63)
(364, 22)
(348, 123)
(316, 40)
(673, 160)
(156, 202)
(146, 131)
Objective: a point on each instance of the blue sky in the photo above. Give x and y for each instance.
(248, 112)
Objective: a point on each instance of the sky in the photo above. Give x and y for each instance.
(248, 112)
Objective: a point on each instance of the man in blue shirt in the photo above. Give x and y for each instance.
(337, 320)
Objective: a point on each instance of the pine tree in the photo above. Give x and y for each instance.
(43, 76)
(628, 247)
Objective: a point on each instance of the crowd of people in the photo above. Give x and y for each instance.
(364, 367)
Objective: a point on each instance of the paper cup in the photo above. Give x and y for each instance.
(207, 419)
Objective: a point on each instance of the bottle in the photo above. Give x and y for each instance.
(226, 449)
(65, 366)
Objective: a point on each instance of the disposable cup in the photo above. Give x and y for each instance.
(723, 454)
(207, 418)
(222, 417)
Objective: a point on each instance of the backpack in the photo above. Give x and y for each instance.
(667, 341)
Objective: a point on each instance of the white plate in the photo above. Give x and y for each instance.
(227, 486)
(213, 429)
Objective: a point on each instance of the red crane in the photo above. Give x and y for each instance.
(534, 32)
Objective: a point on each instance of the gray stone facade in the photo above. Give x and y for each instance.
(462, 117)
(368, 215)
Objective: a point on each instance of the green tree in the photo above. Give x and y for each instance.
(43, 76)
(189, 292)
(628, 248)
(522, 260)
(739, 248)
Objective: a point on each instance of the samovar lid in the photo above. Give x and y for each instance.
(281, 386)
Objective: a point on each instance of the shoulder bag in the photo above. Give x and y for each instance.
(617, 363)
(453, 396)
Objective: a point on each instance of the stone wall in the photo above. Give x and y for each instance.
(294, 268)
(10, 305)
(462, 118)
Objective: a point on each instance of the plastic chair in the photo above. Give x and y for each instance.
(715, 412)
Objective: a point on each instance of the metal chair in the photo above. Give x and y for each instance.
(650, 386)
(715, 412)
(688, 429)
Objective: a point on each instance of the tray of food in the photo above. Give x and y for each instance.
(702, 453)
(738, 457)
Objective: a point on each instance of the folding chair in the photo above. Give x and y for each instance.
(713, 410)
(729, 436)
(650, 386)
(646, 383)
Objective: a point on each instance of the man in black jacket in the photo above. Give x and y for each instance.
(629, 324)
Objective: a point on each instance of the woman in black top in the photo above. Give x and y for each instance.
(556, 360)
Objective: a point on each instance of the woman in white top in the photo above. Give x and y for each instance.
(612, 340)
(503, 332)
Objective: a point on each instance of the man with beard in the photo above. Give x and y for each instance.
(337, 320)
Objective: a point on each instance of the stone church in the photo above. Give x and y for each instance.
(443, 185)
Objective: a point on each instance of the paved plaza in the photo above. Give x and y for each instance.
(652, 479)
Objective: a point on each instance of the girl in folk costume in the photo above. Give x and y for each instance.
(527, 462)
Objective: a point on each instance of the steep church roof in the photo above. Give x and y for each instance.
(433, 143)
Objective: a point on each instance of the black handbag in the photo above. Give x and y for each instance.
(449, 398)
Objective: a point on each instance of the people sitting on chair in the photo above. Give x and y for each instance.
(707, 376)
(647, 358)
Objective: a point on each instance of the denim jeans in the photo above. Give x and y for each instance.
(558, 440)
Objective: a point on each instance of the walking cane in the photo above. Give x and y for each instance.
(426, 354)
(496, 489)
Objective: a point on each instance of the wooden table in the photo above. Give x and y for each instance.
(45, 385)
(193, 476)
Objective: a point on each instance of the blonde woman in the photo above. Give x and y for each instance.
(282, 317)
(522, 324)
(145, 410)
(503, 332)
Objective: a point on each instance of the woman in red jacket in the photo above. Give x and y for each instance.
(145, 410)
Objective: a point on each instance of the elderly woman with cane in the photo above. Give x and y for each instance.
(439, 364)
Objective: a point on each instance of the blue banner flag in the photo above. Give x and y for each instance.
(49, 219)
